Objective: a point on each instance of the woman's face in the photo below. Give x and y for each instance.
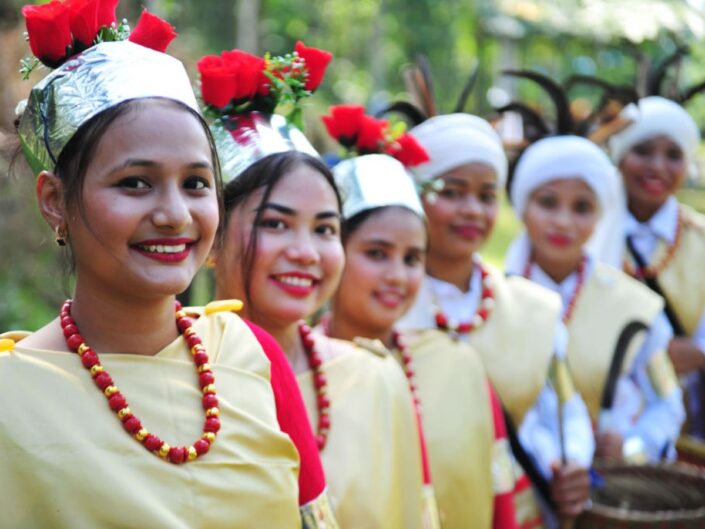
(653, 170)
(461, 217)
(150, 209)
(560, 218)
(299, 256)
(385, 258)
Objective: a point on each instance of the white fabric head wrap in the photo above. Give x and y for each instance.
(658, 116)
(565, 157)
(452, 140)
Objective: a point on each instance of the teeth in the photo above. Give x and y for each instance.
(160, 248)
(296, 281)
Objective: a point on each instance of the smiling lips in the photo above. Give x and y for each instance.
(559, 240)
(165, 250)
(297, 284)
(653, 185)
(468, 231)
(390, 299)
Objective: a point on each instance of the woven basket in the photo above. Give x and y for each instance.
(647, 496)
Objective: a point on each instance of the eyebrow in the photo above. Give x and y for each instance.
(285, 210)
(387, 244)
(136, 162)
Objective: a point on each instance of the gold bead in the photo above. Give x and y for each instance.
(83, 348)
(141, 435)
(208, 436)
(189, 332)
(96, 369)
(164, 450)
(180, 314)
(192, 454)
(125, 412)
(204, 367)
(196, 348)
(110, 391)
(212, 412)
(210, 388)
(224, 305)
(6, 344)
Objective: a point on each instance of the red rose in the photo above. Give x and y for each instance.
(249, 73)
(49, 31)
(152, 32)
(371, 136)
(344, 123)
(408, 151)
(106, 12)
(217, 80)
(83, 20)
(316, 63)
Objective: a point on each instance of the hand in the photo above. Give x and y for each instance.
(685, 355)
(570, 488)
(608, 445)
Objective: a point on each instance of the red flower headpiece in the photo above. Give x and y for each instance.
(236, 82)
(59, 30)
(362, 134)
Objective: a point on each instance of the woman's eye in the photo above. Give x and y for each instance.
(488, 198)
(449, 192)
(272, 224)
(642, 150)
(327, 229)
(547, 202)
(133, 182)
(375, 254)
(584, 208)
(412, 259)
(197, 183)
(674, 154)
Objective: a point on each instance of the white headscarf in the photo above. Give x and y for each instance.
(658, 116)
(564, 157)
(452, 140)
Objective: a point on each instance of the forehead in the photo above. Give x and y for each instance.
(661, 141)
(393, 225)
(469, 174)
(567, 187)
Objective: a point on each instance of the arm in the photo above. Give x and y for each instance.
(504, 514)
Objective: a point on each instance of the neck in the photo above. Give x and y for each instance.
(558, 272)
(123, 325)
(454, 271)
(346, 329)
(287, 336)
(643, 212)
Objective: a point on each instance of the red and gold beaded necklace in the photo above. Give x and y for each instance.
(118, 403)
(570, 308)
(320, 383)
(650, 271)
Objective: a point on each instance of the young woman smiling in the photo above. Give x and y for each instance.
(560, 188)
(664, 238)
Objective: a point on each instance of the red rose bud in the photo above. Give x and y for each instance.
(152, 32)
(83, 20)
(344, 123)
(249, 73)
(371, 137)
(49, 31)
(316, 63)
(408, 151)
(106, 12)
(217, 80)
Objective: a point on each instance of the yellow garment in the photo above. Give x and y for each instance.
(681, 281)
(457, 418)
(372, 457)
(608, 301)
(516, 342)
(67, 462)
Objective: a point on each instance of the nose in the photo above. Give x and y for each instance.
(172, 210)
(660, 164)
(563, 217)
(303, 249)
(471, 206)
(394, 273)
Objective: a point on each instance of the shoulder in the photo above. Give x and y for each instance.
(530, 294)
(693, 221)
(618, 283)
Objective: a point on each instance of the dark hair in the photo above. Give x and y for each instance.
(265, 173)
(352, 224)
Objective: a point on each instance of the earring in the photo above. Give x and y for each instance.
(60, 235)
(210, 262)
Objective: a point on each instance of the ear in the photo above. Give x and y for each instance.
(50, 197)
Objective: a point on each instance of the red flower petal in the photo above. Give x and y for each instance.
(152, 32)
(106, 12)
(217, 80)
(49, 31)
(371, 137)
(316, 63)
(83, 20)
(249, 73)
(408, 151)
(344, 123)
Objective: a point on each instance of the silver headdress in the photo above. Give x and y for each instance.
(243, 139)
(373, 181)
(84, 86)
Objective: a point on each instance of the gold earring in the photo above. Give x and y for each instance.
(210, 262)
(60, 235)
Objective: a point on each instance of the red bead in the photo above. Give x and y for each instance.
(177, 454)
(486, 293)
(103, 380)
(321, 441)
(319, 380)
(308, 341)
(74, 341)
(89, 359)
(117, 402)
(323, 402)
(212, 425)
(304, 330)
(70, 329)
(67, 320)
(193, 340)
(152, 442)
(183, 323)
(178, 305)
(202, 446)
(209, 401)
(441, 320)
(132, 424)
(206, 378)
(200, 358)
(465, 327)
(315, 361)
(483, 313)
(324, 421)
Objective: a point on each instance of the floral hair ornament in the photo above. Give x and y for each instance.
(98, 65)
(374, 174)
(241, 93)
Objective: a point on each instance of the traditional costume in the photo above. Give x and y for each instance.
(513, 325)
(243, 468)
(618, 335)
